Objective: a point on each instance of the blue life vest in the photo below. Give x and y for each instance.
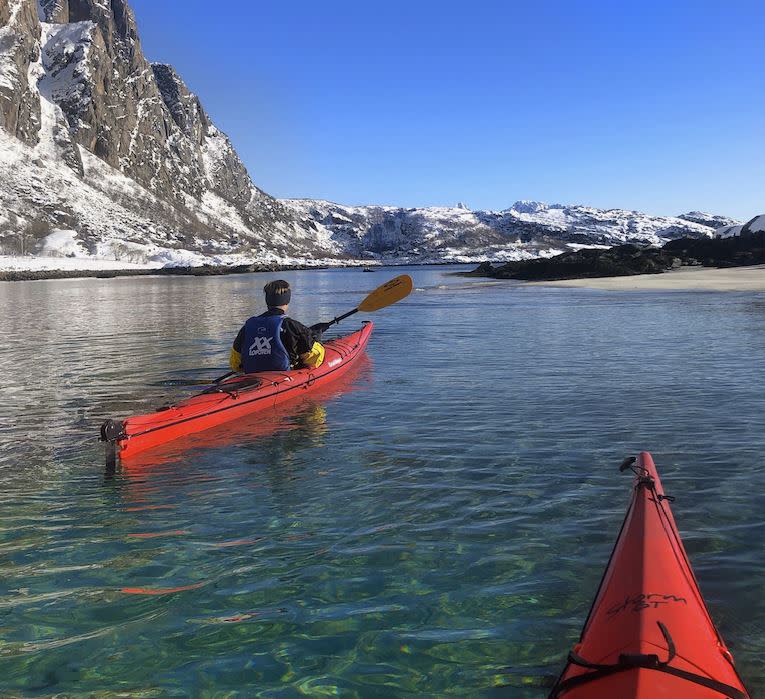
(262, 347)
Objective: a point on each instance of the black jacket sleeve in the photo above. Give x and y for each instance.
(239, 340)
(297, 338)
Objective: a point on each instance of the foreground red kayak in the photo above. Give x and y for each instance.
(649, 634)
(233, 399)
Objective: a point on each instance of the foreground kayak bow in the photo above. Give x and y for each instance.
(232, 399)
(649, 634)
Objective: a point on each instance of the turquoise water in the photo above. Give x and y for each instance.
(436, 525)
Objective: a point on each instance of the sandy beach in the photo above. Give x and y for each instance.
(684, 279)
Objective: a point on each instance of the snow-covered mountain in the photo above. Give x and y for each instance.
(104, 155)
(527, 229)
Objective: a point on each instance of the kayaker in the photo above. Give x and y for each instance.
(273, 341)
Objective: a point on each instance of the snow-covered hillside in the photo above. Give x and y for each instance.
(527, 229)
(754, 225)
(96, 140)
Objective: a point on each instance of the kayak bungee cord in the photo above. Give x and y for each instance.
(649, 632)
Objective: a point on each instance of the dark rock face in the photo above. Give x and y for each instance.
(746, 249)
(212, 148)
(753, 228)
(116, 111)
(184, 107)
(626, 260)
(485, 269)
(140, 119)
(19, 48)
(618, 261)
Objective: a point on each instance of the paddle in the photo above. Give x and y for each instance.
(383, 296)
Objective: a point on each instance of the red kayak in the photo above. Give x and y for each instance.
(233, 399)
(649, 634)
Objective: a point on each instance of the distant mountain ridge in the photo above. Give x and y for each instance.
(525, 230)
(106, 155)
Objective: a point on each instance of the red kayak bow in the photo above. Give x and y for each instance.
(649, 634)
(233, 399)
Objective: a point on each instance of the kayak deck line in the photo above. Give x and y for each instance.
(649, 633)
(207, 409)
(233, 395)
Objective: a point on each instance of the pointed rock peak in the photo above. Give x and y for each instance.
(166, 73)
(463, 206)
(183, 105)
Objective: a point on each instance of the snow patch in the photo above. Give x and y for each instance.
(728, 231)
(758, 225)
(62, 243)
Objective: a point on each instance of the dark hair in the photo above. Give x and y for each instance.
(277, 286)
(277, 293)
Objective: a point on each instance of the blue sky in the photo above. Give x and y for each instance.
(654, 106)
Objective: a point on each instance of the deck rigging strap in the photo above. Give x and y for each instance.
(644, 661)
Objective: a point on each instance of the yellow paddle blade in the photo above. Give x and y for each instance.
(387, 294)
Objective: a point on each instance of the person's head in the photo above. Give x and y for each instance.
(277, 294)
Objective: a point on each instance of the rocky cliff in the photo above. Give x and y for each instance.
(96, 140)
(19, 49)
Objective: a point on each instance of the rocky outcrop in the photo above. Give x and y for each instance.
(624, 260)
(751, 227)
(114, 105)
(183, 105)
(139, 118)
(737, 251)
(618, 261)
(223, 169)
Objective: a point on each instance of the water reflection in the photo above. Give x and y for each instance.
(306, 415)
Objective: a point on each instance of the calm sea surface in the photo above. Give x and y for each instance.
(434, 525)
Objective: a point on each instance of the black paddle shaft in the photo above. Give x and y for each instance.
(343, 317)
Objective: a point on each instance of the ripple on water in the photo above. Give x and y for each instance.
(436, 527)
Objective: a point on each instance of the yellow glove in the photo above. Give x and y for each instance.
(315, 357)
(235, 360)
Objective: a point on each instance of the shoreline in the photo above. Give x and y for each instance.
(200, 271)
(28, 275)
(744, 278)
